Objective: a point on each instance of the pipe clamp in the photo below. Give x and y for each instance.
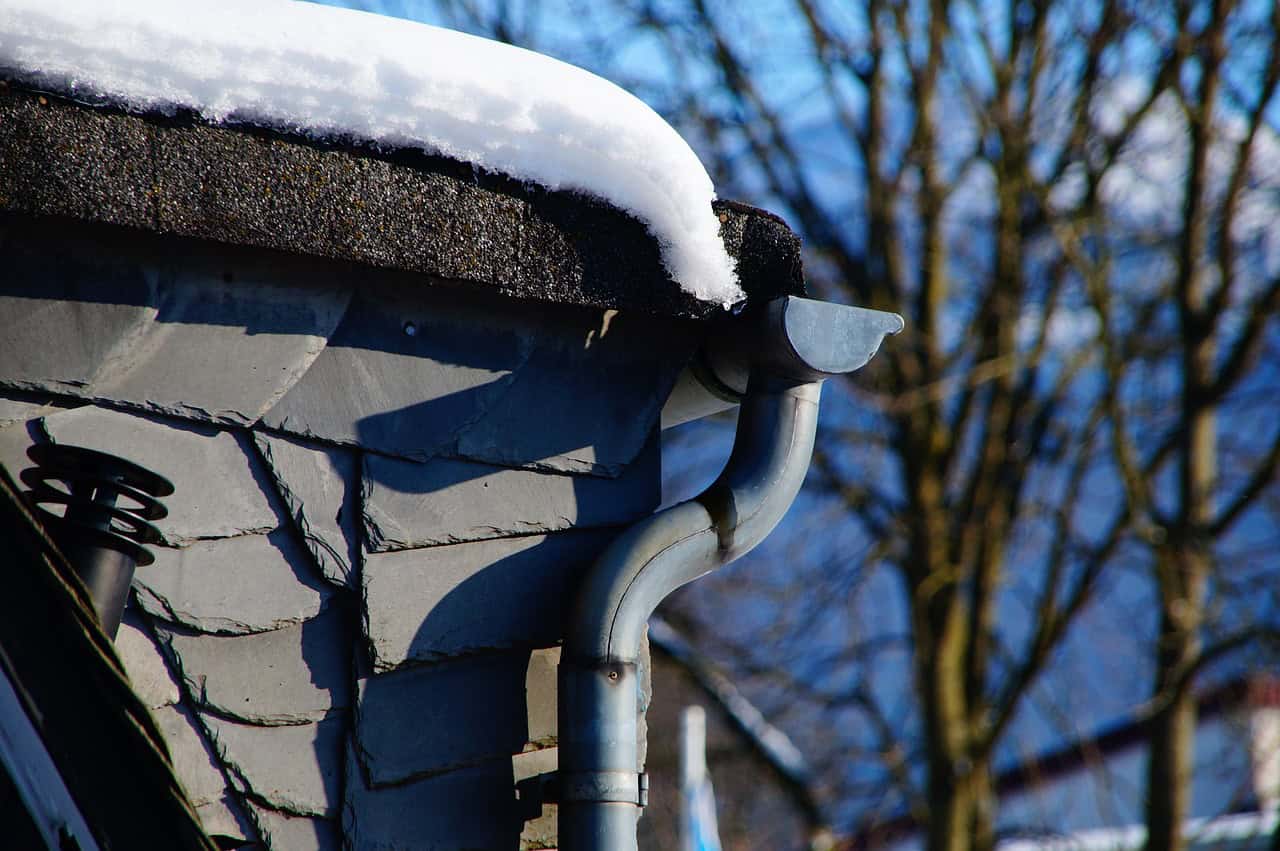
(621, 787)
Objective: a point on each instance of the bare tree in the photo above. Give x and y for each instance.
(1193, 336)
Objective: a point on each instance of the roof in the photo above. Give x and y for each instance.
(402, 210)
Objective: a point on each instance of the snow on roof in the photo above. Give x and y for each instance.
(335, 73)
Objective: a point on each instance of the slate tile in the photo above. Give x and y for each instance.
(423, 605)
(466, 809)
(488, 379)
(588, 398)
(194, 762)
(217, 491)
(232, 333)
(148, 671)
(289, 676)
(319, 486)
(250, 583)
(204, 332)
(297, 769)
(443, 501)
(57, 333)
(424, 720)
(405, 371)
(226, 817)
(284, 832)
(14, 411)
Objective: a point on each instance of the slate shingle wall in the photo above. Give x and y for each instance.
(349, 634)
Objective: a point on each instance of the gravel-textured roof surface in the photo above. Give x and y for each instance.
(399, 210)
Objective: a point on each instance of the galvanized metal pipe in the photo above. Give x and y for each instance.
(793, 345)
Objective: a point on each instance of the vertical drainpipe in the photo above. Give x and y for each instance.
(791, 346)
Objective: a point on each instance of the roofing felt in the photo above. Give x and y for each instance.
(401, 210)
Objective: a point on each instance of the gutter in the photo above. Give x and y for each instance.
(788, 347)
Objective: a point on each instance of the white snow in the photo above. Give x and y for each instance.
(330, 72)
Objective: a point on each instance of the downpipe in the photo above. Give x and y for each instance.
(792, 345)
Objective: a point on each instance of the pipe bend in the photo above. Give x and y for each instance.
(766, 467)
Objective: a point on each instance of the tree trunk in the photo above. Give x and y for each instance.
(1183, 570)
(960, 790)
(1171, 762)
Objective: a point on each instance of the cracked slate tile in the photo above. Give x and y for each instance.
(194, 762)
(297, 769)
(589, 397)
(292, 675)
(406, 371)
(218, 493)
(226, 817)
(250, 583)
(319, 485)
(284, 832)
(444, 501)
(460, 810)
(232, 334)
(424, 605)
(148, 672)
(427, 719)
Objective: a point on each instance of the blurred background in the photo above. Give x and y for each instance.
(1030, 589)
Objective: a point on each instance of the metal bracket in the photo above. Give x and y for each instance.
(620, 787)
(623, 787)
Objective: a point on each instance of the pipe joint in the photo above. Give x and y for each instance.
(618, 787)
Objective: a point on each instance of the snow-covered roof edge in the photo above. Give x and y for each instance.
(440, 220)
(335, 73)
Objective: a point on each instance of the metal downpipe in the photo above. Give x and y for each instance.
(598, 676)
(795, 344)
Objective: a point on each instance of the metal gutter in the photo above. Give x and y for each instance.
(791, 345)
